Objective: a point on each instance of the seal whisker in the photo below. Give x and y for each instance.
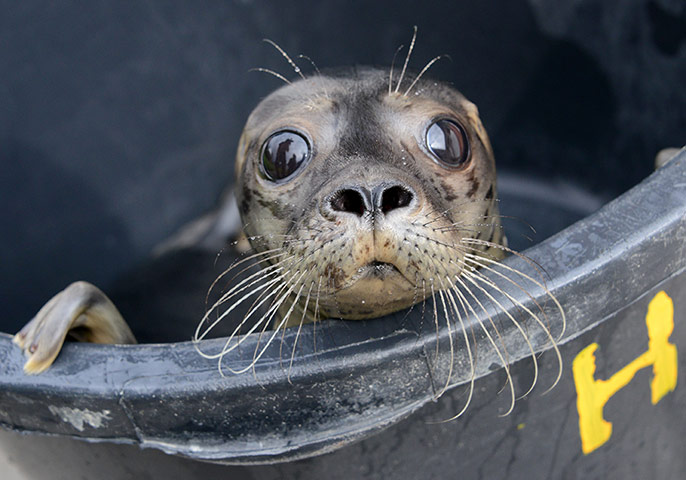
(237, 263)
(435, 309)
(423, 301)
(390, 75)
(271, 72)
(297, 334)
(450, 340)
(433, 240)
(267, 317)
(472, 369)
(407, 59)
(262, 271)
(256, 305)
(472, 262)
(509, 217)
(296, 68)
(537, 266)
(315, 316)
(469, 277)
(197, 336)
(311, 61)
(256, 264)
(428, 65)
(490, 339)
(247, 316)
(244, 284)
(491, 321)
(415, 300)
(460, 227)
(480, 276)
(541, 285)
(443, 215)
(280, 326)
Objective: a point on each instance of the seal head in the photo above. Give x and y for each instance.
(361, 197)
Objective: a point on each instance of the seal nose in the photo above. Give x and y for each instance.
(355, 200)
(387, 198)
(383, 198)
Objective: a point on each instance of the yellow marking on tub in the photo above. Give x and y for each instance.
(592, 394)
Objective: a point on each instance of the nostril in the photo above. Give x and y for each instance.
(395, 197)
(348, 200)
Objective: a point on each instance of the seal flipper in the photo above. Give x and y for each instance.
(81, 310)
(665, 155)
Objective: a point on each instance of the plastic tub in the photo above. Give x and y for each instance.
(158, 91)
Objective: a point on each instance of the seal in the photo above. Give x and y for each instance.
(361, 195)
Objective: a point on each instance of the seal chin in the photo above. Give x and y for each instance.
(378, 289)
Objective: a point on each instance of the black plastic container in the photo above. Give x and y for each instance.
(367, 393)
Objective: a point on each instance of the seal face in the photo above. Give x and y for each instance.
(361, 200)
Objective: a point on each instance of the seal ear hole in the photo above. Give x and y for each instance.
(283, 154)
(447, 141)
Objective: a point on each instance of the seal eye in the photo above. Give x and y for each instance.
(283, 154)
(447, 140)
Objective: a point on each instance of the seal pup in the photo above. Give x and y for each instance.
(361, 194)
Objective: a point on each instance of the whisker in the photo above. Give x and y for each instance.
(297, 334)
(407, 59)
(490, 339)
(264, 269)
(257, 304)
(472, 369)
(270, 72)
(256, 356)
(236, 263)
(545, 329)
(460, 227)
(472, 262)
(443, 214)
(532, 280)
(245, 319)
(428, 65)
(256, 264)
(240, 287)
(280, 327)
(197, 336)
(390, 76)
(296, 68)
(537, 266)
(311, 62)
(468, 277)
(490, 321)
(267, 316)
(450, 340)
(315, 318)
(435, 309)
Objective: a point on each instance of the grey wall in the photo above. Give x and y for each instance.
(119, 120)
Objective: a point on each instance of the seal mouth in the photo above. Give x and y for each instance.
(380, 270)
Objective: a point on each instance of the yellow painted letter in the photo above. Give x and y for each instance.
(592, 394)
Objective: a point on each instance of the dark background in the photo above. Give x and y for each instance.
(119, 120)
